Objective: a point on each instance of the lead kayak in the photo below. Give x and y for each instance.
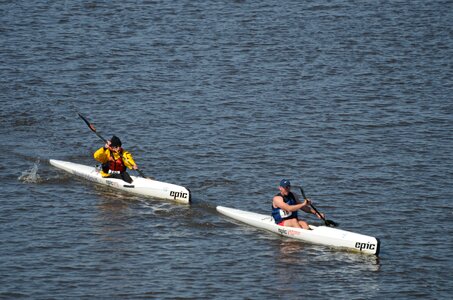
(322, 235)
(140, 186)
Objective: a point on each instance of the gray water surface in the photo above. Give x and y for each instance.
(351, 99)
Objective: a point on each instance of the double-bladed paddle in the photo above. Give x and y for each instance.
(329, 223)
(91, 126)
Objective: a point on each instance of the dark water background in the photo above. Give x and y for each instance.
(353, 99)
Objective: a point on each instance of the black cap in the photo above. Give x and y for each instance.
(115, 141)
(285, 183)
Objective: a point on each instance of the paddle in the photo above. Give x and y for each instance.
(329, 223)
(91, 126)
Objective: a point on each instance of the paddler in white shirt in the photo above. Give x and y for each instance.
(115, 160)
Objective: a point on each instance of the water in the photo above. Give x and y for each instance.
(352, 99)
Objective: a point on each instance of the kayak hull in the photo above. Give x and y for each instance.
(321, 235)
(139, 186)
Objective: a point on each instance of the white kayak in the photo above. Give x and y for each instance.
(140, 186)
(322, 235)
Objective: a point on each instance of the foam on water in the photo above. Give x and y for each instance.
(31, 175)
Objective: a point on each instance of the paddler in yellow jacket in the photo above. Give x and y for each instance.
(115, 160)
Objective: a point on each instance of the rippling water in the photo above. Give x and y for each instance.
(352, 99)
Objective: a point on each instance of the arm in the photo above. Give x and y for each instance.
(309, 210)
(278, 202)
(306, 203)
(129, 160)
(101, 155)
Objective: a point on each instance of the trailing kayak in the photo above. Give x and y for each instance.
(322, 235)
(140, 186)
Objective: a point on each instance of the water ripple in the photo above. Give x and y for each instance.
(351, 100)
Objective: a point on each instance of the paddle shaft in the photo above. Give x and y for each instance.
(327, 222)
(91, 126)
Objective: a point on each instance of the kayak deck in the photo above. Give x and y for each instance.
(322, 235)
(140, 186)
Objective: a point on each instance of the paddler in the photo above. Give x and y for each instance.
(115, 160)
(286, 204)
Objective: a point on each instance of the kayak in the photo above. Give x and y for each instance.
(322, 235)
(140, 186)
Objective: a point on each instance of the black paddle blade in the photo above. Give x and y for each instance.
(88, 123)
(331, 223)
(92, 128)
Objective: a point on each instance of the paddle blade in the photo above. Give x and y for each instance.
(331, 223)
(91, 126)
